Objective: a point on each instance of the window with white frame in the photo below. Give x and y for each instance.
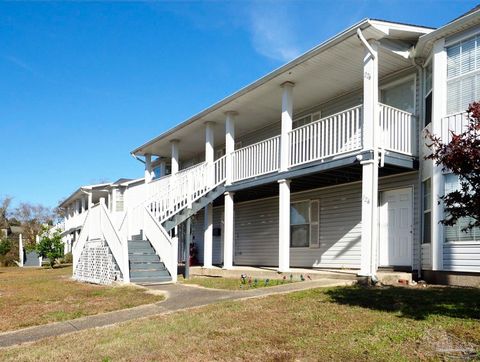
(400, 95)
(428, 74)
(307, 119)
(427, 211)
(455, 233)
(463, 74)
(119, 199)
(305, 224)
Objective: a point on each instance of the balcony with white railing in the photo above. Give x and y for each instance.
(330, 136)
(258, 159)
(454, 123)
(337, 135)
(398, 130)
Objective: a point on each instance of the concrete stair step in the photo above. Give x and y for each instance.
(148, 273)
(151, 280)
(159, 266)
(143, 258)
(140, 243)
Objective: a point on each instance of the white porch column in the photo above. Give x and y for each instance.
(228, 230)
(163, 167)
(209, 142)
(439, 110)
(370, 167)
(90, 200)
(208, 236)
(20, 249)
(175, 156)
(287, 118)
(83, 204)
(148, 168)
(208, 227)
(284, 226)
(229, 144)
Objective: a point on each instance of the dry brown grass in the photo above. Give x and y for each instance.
(37, 296)
(347, 324)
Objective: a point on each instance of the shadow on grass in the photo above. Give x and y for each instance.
(414, 303)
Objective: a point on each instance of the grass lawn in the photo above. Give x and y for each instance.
(236, 284)
(344, 323)
(36, 296)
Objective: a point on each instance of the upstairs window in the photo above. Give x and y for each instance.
(119, 199)
(309, 118)
(428, 94)
(400, 95)
(463, 74)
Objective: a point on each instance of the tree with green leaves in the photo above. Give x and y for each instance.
(50, 246)
(461, 156)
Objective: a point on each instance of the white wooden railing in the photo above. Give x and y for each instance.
(397, 130)
(114, 241)
(98, 225)
(456, 123)
(165, 246)
(327, 137)
(257, 159)
(83, 237)
(185, 187)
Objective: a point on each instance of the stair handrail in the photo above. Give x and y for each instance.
(114, 241)
(82, 239)
(161, 242)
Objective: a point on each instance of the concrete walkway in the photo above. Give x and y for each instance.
(178, 297)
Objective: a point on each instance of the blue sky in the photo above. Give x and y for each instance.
(83, 83)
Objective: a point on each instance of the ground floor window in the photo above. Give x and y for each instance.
(304, 224)
(427, 211)
(455, 233)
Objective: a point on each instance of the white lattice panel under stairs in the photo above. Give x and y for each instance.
(97, 264)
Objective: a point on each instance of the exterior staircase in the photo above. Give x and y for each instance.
(196, 206)
(145, 265)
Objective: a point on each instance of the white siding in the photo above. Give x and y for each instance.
(256, 227)
(461, 256)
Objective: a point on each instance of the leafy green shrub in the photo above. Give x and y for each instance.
(50, 246)
(8, 252)
(5, 246)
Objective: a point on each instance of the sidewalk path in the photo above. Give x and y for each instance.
(178, 297)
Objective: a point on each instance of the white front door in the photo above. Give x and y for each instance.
(395, 237)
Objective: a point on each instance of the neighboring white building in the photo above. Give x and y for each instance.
(319, 164)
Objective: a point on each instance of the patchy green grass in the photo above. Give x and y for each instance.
(31, 297)
(344, 323)
(236, 284)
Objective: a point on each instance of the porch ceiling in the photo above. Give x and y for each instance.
(343, 175)
(328, 71)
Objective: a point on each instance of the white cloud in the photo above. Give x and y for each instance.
(273, 33)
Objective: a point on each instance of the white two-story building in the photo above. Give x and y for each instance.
(319, 164)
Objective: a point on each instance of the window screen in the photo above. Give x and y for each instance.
(455, 233)
(463, 74)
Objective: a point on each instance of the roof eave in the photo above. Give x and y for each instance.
(425, 41)
(284, 68)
